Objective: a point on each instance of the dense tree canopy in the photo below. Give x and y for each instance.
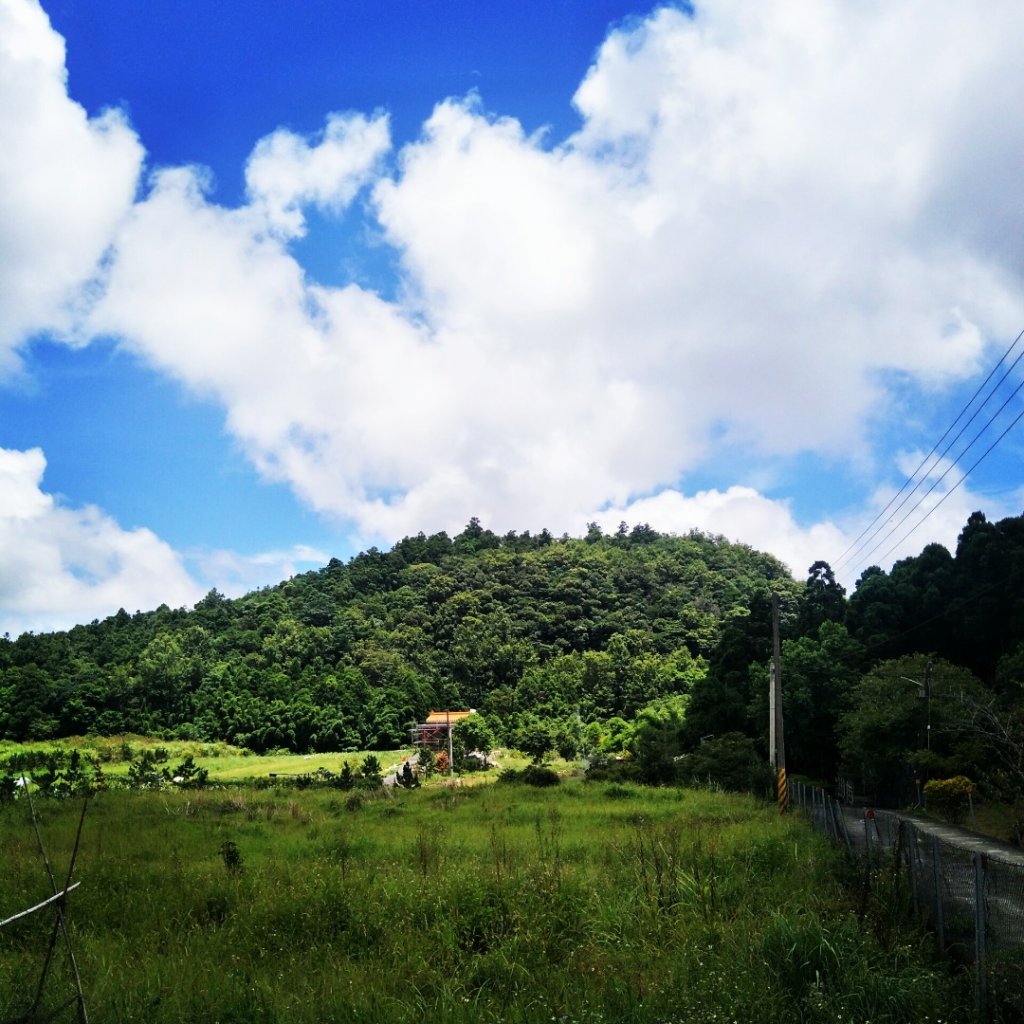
(348, 656)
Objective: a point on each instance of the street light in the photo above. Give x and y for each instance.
(925, 693)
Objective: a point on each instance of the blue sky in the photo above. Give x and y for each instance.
(279, 281)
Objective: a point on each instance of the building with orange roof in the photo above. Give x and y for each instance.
(435, 731)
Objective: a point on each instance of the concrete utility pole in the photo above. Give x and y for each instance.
(771, 715)
(781, 786)
(928, 706)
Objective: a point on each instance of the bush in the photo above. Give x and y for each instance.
(731, 761)
(406, 778)
(539, 775)
(950, 798)
(605, 769)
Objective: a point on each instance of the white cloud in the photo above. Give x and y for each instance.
(285, 172)
(768, 209)
(898, 522)
(740, 514)
(60, 566)
(234, 574)
(885, 531)
(65, 180)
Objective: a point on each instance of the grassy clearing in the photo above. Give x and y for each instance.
(229, 764)
(585, 903)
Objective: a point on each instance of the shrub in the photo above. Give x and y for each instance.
(189, 775)
(949, 797)
(731, 761)
(605, 769)
(539, 775)
(406, 778)
(143, 772)
(231, 856)
(8, 787)
(370, 772)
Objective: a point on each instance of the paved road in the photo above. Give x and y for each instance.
(961, 838)
(966, 839)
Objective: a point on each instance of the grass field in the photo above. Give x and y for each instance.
(584, 903)
(226, 763)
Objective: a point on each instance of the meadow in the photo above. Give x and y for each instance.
(586, 902)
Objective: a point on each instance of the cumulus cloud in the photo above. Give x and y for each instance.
(286, 173)
(60, 565)
(740, 514)
(234, 574)
(851, 544)
(65, 181)
(769, 210)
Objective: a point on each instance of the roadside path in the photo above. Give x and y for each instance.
(965, 838)
(953, 835)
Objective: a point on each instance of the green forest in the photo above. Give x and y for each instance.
(634, 649)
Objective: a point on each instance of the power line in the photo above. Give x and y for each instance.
(970, 402)
(949, 469)
(872, 530)
(985, 455)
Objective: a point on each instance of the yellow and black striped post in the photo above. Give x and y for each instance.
(781, 786)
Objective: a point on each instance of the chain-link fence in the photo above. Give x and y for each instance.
(972, 901)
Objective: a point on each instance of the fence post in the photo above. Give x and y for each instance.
(911, 852)
(867, 836)
(940, 925)
(845, 829)
(980, 863)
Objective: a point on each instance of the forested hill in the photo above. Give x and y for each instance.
(535, 631)
(346, 656)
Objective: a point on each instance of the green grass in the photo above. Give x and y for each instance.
(584, 903)
(228, 764)
(224, 762)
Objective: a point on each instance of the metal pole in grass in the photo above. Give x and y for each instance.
(911, 852)
(59, 923)
(846, 832)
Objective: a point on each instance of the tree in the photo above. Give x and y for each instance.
(884, 732)
(569, 737)
(658, 738)
(473, 734)
(819, 672)
(534, 736)
(370, 772)
(824, 600)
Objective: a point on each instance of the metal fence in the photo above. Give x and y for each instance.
(972, 901)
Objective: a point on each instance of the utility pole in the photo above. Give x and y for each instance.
(781, 786)
(928, 706)
(451, 763)
(771, 715)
